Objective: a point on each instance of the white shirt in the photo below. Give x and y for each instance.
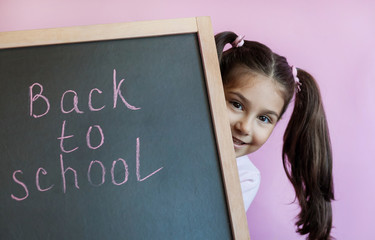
(249, 179)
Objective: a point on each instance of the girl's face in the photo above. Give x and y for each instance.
(254, 105)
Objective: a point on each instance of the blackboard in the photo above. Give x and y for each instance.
(110, 137)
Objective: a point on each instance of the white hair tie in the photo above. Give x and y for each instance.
(239, 42)
(296, 79)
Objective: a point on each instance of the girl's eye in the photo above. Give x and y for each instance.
(265, 119)
(237, 105)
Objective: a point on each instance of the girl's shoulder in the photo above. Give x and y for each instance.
(244, 164)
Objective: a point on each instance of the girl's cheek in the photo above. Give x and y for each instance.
(231, 114)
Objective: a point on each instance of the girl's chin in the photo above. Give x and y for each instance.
(239, 153)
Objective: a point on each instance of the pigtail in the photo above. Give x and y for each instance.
(223, 39)
(307, 160)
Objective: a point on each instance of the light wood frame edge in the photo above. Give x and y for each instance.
(200, 25)
(223, 135)
(77, 34)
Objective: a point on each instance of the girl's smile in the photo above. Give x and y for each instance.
(238, 143)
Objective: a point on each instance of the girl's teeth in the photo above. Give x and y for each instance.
(237, 142)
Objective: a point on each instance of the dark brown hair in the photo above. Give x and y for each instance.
(307, 155)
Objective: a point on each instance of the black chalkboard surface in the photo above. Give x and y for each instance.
(110, 139)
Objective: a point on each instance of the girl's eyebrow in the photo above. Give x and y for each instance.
(247, 102)
(272, 113)
(243, 99)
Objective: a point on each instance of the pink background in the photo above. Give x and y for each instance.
(334, 40)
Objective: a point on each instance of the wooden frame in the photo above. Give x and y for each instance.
(201, 26)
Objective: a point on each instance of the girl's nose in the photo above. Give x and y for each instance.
(244, 126)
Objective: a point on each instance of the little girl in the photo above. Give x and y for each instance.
(258, 85)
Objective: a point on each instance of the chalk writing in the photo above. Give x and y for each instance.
(95, 133)
(113, 172)
(117, 92)
(65, 137)
(90, 97)
(75, 102)
(63, 172)
(68, 169)
(22, 184)
(89, 173)
(33, 98)
(138, 164)
(89, 134)
(44, 172)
